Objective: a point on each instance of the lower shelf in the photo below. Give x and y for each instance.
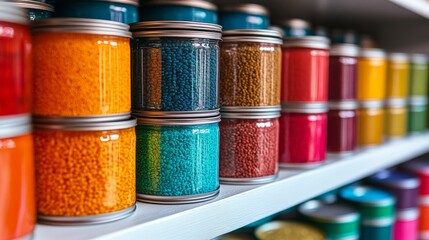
(237, 206)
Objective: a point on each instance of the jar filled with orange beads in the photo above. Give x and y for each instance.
(85, 172)
(17, 201)
(82, 69)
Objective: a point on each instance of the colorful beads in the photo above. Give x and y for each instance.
(397, 76)
(371, 82)
(342, 122)
(370, 125)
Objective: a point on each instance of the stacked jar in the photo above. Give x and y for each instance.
(304, 94)
(404, 187)
(371, 85)
(175, 99)
(250, 105)
(418, 89)
(17, 185)
(35, 9)
(420, 168)
(377, 209)
(124, 11)
(296, 28)
(342, 99)
(396, 96)
(244, 16)
(84, 135)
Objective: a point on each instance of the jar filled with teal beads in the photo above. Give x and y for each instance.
(177, 159)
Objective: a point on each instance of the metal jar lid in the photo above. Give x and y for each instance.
(130, 2)
(14, 126)
(261, 109)
(177, 121)
(343, 105)
(30, 4)
(372, 53)
(290, 230)
(418, 101)
(344, 50)
(398, 57)
(296, 23)
(250, 115)
(367, 196)
(249, 8)
(183, 29)
(81, 25)
(10, 12)
(329, 213)
(371, 104)
(411, 214)
(290, 107)
(419, 58)
(188, 3)
(395, 179)
(174, 115)
(85, 126)
(396, 102)
(252, 35)
(317, 42)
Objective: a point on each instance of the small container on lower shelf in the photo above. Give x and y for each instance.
(396, 118)
(249, 145)
(303, 135)
(406, 224)
(342, 124)
(76, 166)
(417, 115)
(290, 230)
(338, 221)
(177, 159)
(370, 125)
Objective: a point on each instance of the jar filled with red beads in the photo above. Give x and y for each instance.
(15, 61)
(305, 69)
(249, 146)
(343, 72)
(303, 135)
(342, 125)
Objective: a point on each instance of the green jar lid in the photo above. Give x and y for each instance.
(338, 221)
(372, 203)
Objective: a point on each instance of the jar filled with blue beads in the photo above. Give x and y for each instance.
(244, 16)
(36, 9)
(177, 159)
(174, 66)
(124, 11)
(179, 10)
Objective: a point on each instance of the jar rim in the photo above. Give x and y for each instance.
(398, 57)
(182, 29)
(130, 2)
(296, 23)
(396, 102)
(15, 125)
(250, 8)
(345, 50)
(418, 101)
(177, 114)
(419, 58)
(252, 35)
(29, 4)
(250, 115)
(310, 209)
(177, 121)
(191, 3)
(317, 42)
(372, 53)
(81, 25)
(10, 12)
(296, 107)
(343, 105)
(241, 109)
(371, 104)
(84, 126)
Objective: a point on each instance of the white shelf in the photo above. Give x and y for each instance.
(238, 206)
(420, 7)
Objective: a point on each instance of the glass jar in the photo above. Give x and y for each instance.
(302, 137)
(244, 16)
(417, 115)
(396, 118)
(35, 9)
(397, 75)
(342, 128)
(250, 68)
(289, 229)
(418, 75)
(296, 28)
(15, 61)
(406, 225)
(370, 124)
(343, 72)
(17, 185)
(177, 159)
(124, 11)
(371, 84)
(85, 172)
(92, 59)
(176, 10)
(305, 69)
(249, 147)
(175, 69)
